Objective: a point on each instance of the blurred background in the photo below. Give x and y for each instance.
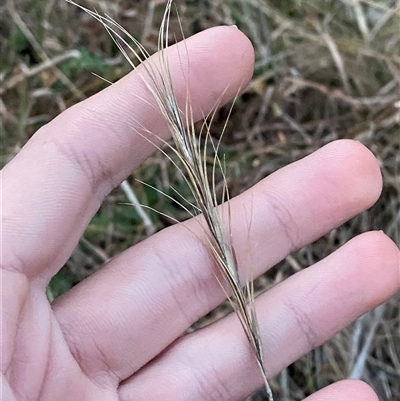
(324, 70)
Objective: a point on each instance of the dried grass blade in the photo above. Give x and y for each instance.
(192, 155)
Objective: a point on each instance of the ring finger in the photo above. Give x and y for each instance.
(295, 316)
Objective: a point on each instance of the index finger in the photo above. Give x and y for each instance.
(56, 183)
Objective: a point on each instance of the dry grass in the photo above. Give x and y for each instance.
(325, 70)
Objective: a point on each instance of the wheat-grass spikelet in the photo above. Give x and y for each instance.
(192, 154)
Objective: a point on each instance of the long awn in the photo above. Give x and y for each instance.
(191, 152)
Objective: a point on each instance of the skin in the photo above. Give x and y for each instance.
(117, 335)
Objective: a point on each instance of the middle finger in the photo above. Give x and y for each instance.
(127, 313)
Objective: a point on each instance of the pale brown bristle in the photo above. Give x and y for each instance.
(191, 154)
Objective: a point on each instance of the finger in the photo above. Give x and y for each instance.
(345, 390)
(56, 183)
(296, 316)
(148, 296)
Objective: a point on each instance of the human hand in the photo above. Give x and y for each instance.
(116, 336)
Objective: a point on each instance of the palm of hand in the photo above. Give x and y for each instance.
(106, 339)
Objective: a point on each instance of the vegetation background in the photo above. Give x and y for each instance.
(324, 70)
